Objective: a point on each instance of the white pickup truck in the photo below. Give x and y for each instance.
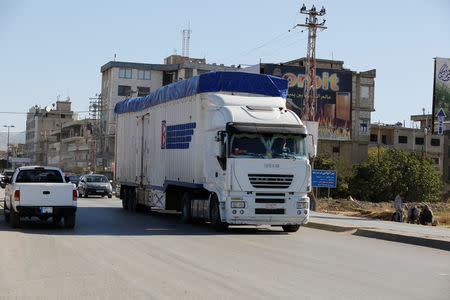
(40, 192)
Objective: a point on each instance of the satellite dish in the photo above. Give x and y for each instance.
(48, 108)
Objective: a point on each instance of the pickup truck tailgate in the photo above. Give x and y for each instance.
(45, 194)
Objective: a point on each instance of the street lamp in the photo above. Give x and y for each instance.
(7, 145)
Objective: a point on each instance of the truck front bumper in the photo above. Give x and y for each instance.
(35, 211)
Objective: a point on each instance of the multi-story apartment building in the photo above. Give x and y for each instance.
(74, 146)
(122, 80)
(40, 123)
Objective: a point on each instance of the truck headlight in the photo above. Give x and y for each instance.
(237, 204)
(302, 205)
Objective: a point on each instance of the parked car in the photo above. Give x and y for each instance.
(2, 181)
(94, 184)
(40, 192)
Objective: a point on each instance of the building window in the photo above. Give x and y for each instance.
(374, 138)
(124, 90)
(124, 73)
(188, 73)
(402, 139)
(336, 150)
(143, 75)
(143, 91)
(383, 139)
(419, 141)
(435, 142)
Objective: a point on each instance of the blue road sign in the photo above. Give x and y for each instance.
(323, 178)
(441, 113)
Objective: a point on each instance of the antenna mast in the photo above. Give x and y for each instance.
(186, 40)
(310, 89)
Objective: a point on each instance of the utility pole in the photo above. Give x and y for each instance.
(95, 112)
(309, 109)
(7, 145)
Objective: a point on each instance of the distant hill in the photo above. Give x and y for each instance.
(14, 137)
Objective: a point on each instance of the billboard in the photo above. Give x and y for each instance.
(441, 91)
(334, 98)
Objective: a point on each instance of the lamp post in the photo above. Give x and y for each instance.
(7, 145)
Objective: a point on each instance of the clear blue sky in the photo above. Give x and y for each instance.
(50, 48)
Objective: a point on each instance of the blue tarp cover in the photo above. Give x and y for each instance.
(229, 81)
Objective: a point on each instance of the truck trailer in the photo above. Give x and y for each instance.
(221, 146)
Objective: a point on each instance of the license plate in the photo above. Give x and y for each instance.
(99, 191)
(46, 210)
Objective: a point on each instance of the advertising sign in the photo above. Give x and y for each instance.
(334, 98)
(323, 178)
(441, 93)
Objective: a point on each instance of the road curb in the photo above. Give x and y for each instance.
(387, 236)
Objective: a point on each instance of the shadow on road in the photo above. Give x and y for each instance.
(116, 221)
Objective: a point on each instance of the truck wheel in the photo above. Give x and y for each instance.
(131, 201)
(290, 228)
(5, 212)
(109, 195)
(216, 222)
(69, 221)
(14, 218)
(125, 200)
(186, 216)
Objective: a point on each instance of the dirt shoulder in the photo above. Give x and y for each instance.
(381, 210)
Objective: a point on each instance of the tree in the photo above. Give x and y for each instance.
(344, 173)
(385, 174)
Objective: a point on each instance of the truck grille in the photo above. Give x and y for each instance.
(269, 198)
(270, 181)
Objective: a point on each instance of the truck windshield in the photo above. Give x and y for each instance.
(245, 145)
(39, 176)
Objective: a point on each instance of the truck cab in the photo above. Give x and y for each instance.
(259, 166)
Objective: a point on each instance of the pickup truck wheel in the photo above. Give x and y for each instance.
(69, 221)
(5, 212)
(56, 219)
(14, 218)
(216, 222)
(186, 216)
(290, 228)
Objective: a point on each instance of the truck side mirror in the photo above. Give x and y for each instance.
(312, 146)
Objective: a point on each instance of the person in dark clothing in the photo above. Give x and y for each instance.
(426, 216)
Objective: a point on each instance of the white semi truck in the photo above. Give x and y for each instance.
(221, 146)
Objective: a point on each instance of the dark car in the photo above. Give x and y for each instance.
(6, 178)
(94, 184)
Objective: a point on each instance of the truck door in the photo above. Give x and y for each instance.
(142, 143)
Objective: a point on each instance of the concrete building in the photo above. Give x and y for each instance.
(74, 146)
(355, 148)
(122, 80)
(40, 123)
(420, 140)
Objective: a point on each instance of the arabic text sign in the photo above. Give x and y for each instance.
(323, 178)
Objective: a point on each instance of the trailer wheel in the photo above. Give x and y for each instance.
(290, 228)
(125, 200)
(131, 200)
(186, 215)
(216, 222)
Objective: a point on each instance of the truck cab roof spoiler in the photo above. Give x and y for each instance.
(234, 127)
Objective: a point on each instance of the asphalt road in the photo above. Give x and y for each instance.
(114, 254)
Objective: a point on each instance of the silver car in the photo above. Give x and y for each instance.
(94, 184)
